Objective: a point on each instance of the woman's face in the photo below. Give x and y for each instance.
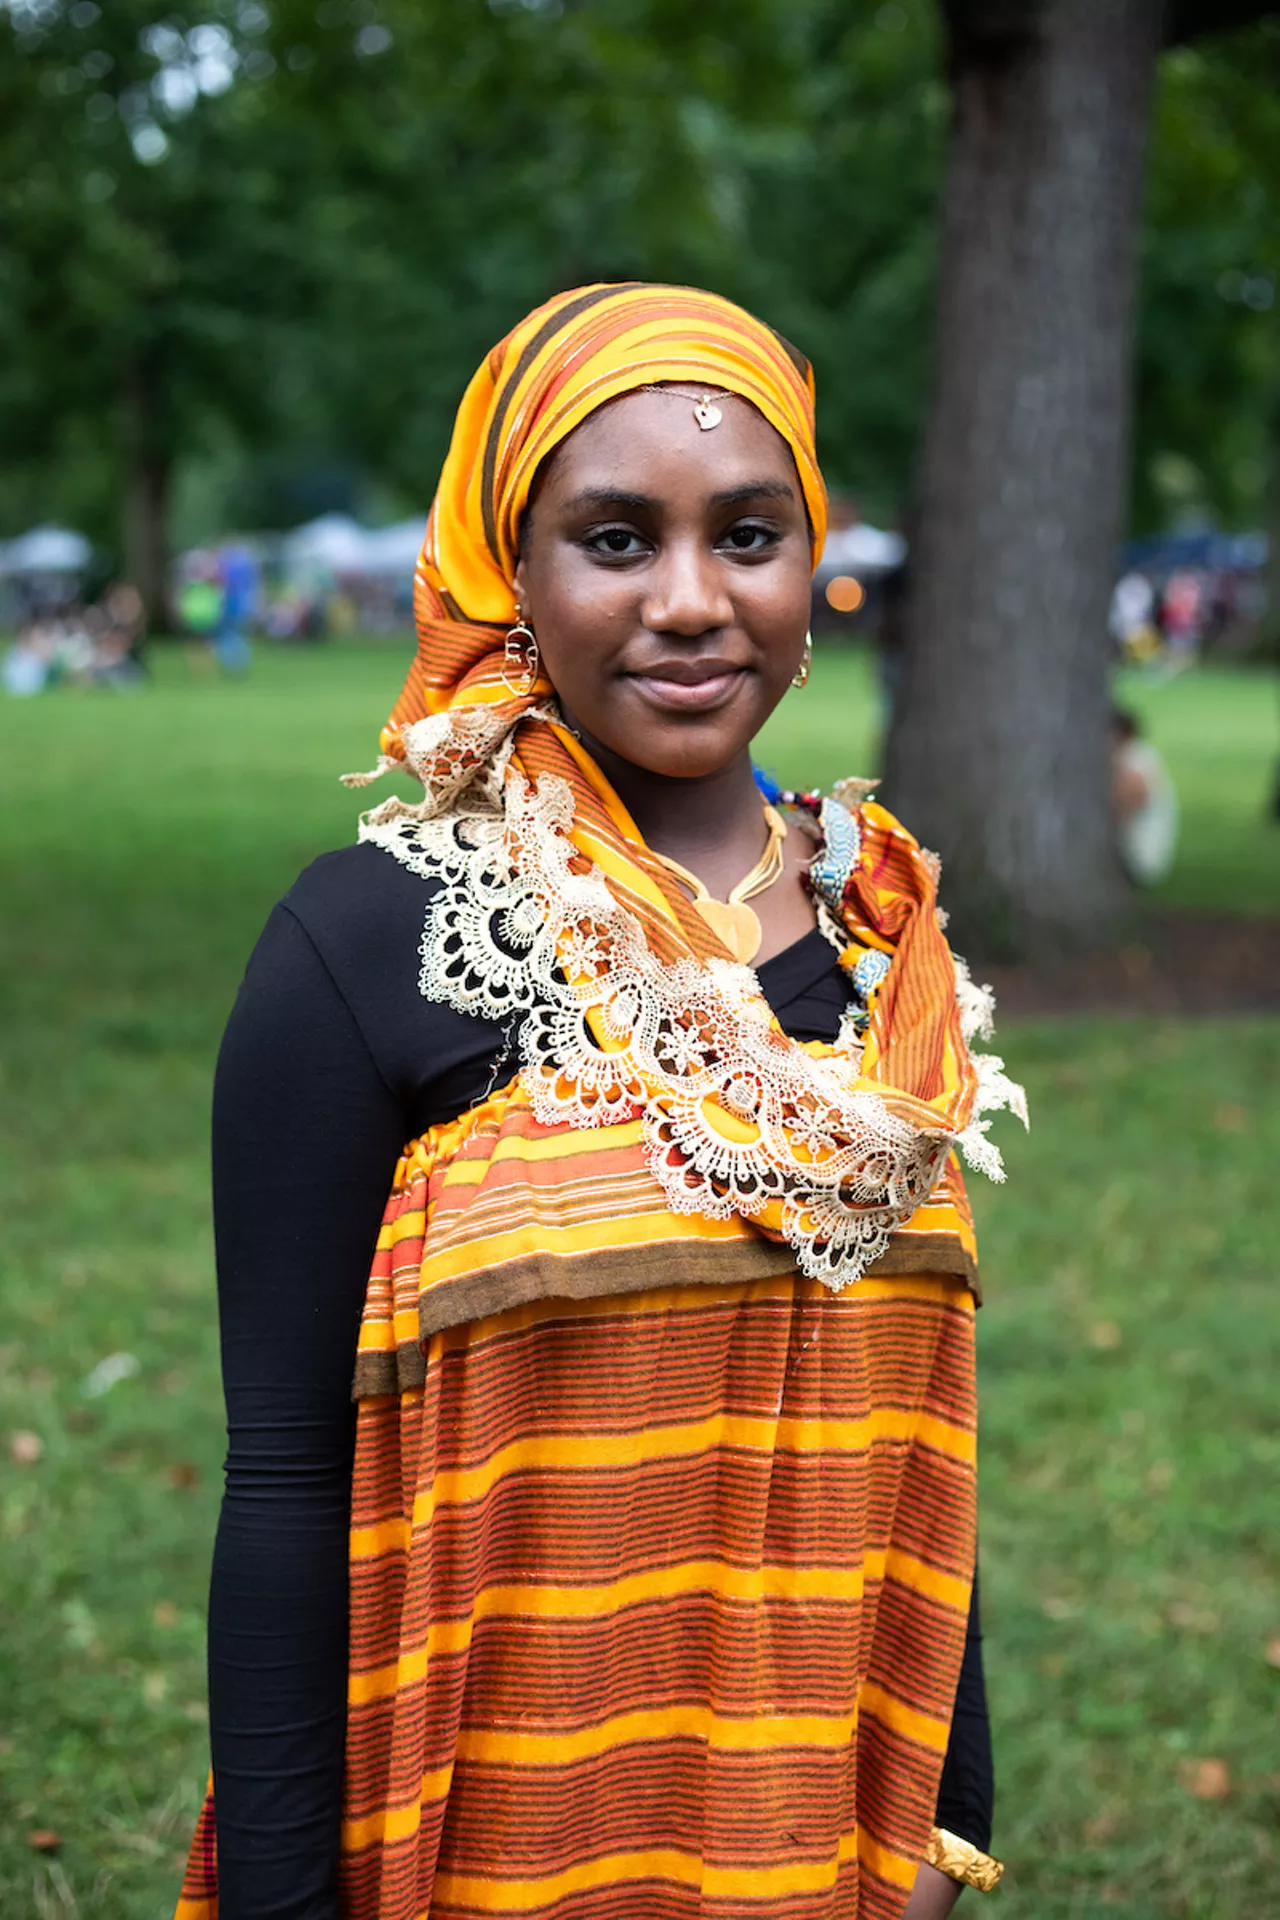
(665, 572)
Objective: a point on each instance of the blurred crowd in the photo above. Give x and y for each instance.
(100, 645)
(1169, 616)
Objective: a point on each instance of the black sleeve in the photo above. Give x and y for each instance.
(966, 1792)
(306, 1135)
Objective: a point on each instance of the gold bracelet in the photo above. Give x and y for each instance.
(961, 1860)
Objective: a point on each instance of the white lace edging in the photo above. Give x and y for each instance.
(996, 1093)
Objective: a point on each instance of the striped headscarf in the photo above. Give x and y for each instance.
(562, 363)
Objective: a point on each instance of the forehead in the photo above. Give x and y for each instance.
(650, 443)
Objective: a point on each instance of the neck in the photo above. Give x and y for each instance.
(708, 814)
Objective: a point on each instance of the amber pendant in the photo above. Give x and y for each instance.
(734, 925)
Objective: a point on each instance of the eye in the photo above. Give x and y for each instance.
(750, 536)
(615, 543)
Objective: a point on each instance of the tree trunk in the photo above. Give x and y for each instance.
(999, 753)
(148, 472)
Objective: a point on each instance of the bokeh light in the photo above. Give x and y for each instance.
(844, 593)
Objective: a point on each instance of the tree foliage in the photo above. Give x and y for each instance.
(306, 262)
(257, 246)
(1208, 413)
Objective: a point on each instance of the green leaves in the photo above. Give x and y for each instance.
(309, 219)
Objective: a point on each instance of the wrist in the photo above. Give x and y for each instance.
(961, 1861)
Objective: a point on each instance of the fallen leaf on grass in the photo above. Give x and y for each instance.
(183, 1474)
(1106, 1336)
(44, 1839)
(165, 1614)
(1206, 1779)
(109, 1373)
(1273, 1651)
(1230, 1118)
(25, 1448)
(154, 1688)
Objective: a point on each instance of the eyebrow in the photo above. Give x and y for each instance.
(600, 498)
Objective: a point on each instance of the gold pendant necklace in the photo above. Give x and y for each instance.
(733, 923)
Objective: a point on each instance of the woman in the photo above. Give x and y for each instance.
(661, 1527)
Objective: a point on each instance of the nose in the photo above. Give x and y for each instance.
(686, 592)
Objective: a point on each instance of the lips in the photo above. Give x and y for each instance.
(689, 686)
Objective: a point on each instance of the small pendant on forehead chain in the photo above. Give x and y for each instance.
(707, 413)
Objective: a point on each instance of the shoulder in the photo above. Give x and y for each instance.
(356, 903)
(870, 872)
(858, 835)
(362, 913)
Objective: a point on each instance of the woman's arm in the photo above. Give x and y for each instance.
(933, 1895)
(306, 1134)
(966, 1792)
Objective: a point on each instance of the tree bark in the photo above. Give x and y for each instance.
(999, 753)
(148, 473)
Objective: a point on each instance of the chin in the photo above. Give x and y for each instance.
(678, 748)
(683, 753)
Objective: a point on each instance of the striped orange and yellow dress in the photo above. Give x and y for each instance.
(658, 1597)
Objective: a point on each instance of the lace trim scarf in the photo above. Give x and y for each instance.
(816, 1147)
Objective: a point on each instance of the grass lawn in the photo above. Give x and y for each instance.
(1129, 1444)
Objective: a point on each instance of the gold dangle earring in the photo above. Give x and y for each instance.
(800, 678)
(520, 650)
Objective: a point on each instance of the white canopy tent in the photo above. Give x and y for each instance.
(46, 550)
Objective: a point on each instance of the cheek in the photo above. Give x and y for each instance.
(581, 616)
(776, 607)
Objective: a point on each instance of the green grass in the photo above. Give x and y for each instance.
(1129, 1443)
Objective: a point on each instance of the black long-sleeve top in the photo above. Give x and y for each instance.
(331, 1061)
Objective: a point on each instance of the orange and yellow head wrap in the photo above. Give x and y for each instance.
(558, 366)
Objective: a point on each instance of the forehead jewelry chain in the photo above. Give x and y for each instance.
(705, 411)
(732, 921)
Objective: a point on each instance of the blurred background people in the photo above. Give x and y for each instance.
(1132, 621)
(1183, 606)
(1144, 803)
(239, 581)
